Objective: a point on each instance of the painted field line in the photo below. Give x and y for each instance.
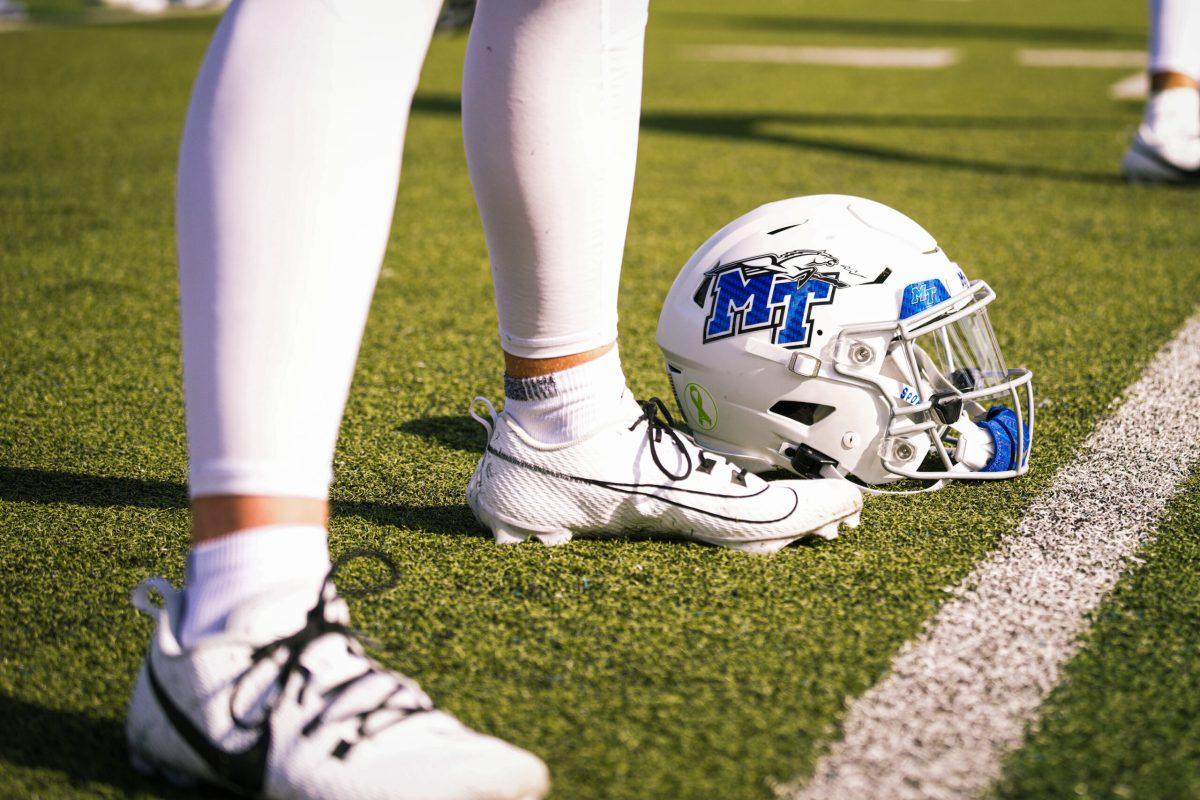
(959, 696)
(101, 16)
(1134, 87)
(870, 57)
(1082, 59)
(13, 16)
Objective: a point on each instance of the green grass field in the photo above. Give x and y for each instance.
(637, 669)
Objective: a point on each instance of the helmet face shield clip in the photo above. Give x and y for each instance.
(947, 407)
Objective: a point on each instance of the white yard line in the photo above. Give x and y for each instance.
(959, 697)
(871, 57)
(1134, 87)
(12, 21)
(1082, 59)
(105, 16)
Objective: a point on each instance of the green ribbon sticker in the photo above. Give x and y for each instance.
(704, 407)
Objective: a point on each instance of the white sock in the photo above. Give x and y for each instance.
(1174, 113)
(563, 406)
(225, 573)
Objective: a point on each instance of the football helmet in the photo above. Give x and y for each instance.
(830, 335)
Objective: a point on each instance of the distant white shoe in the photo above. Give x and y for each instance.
(284, 706)
(209, 5)
(1166, 148)
(152, 7)
(1156, 161)
(12, 12)
(139, 6)
(637, 473)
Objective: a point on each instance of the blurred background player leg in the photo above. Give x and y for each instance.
(1166, 148)
(287, 181)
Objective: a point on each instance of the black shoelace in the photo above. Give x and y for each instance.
(656, 426)
(317, 625)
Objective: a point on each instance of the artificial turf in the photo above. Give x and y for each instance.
(637, 669)
(1125, 723)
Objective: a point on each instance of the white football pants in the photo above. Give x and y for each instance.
(1175, 37)
(287, 183)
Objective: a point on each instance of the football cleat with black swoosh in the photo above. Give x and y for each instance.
(288, 706)
(639, 474)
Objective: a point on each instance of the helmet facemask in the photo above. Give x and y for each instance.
(956, 411)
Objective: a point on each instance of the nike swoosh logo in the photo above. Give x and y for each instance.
(652, 490)
(244, 770)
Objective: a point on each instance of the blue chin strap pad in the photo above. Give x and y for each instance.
(1001, 423)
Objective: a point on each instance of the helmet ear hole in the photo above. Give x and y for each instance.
(805, 413)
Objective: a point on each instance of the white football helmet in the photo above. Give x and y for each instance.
(830, 335)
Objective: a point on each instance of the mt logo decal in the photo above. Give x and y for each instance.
(775, 292)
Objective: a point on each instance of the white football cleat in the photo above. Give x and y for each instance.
(289, 707)
(638, 474)
(1150, 160)
(1166, 148)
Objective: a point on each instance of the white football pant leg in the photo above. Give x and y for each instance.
(287, 181)
(551, 97)
(1175, 37)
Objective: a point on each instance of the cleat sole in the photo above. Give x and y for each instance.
(502, 536)
(828, 531)
(554, 539)
(760, 546)
(508, 533)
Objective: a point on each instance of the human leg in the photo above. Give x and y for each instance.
(550, 110)
(1166, 148)
(287, 179)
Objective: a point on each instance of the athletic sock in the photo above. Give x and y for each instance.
(227, 572)
(1174, 112)
(563, 406)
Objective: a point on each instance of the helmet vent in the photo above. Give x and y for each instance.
(804, 413)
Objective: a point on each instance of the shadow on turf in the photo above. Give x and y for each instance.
(456, 431)
(43, 486)
(750, 126)
(84, 748)
(901, 28)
